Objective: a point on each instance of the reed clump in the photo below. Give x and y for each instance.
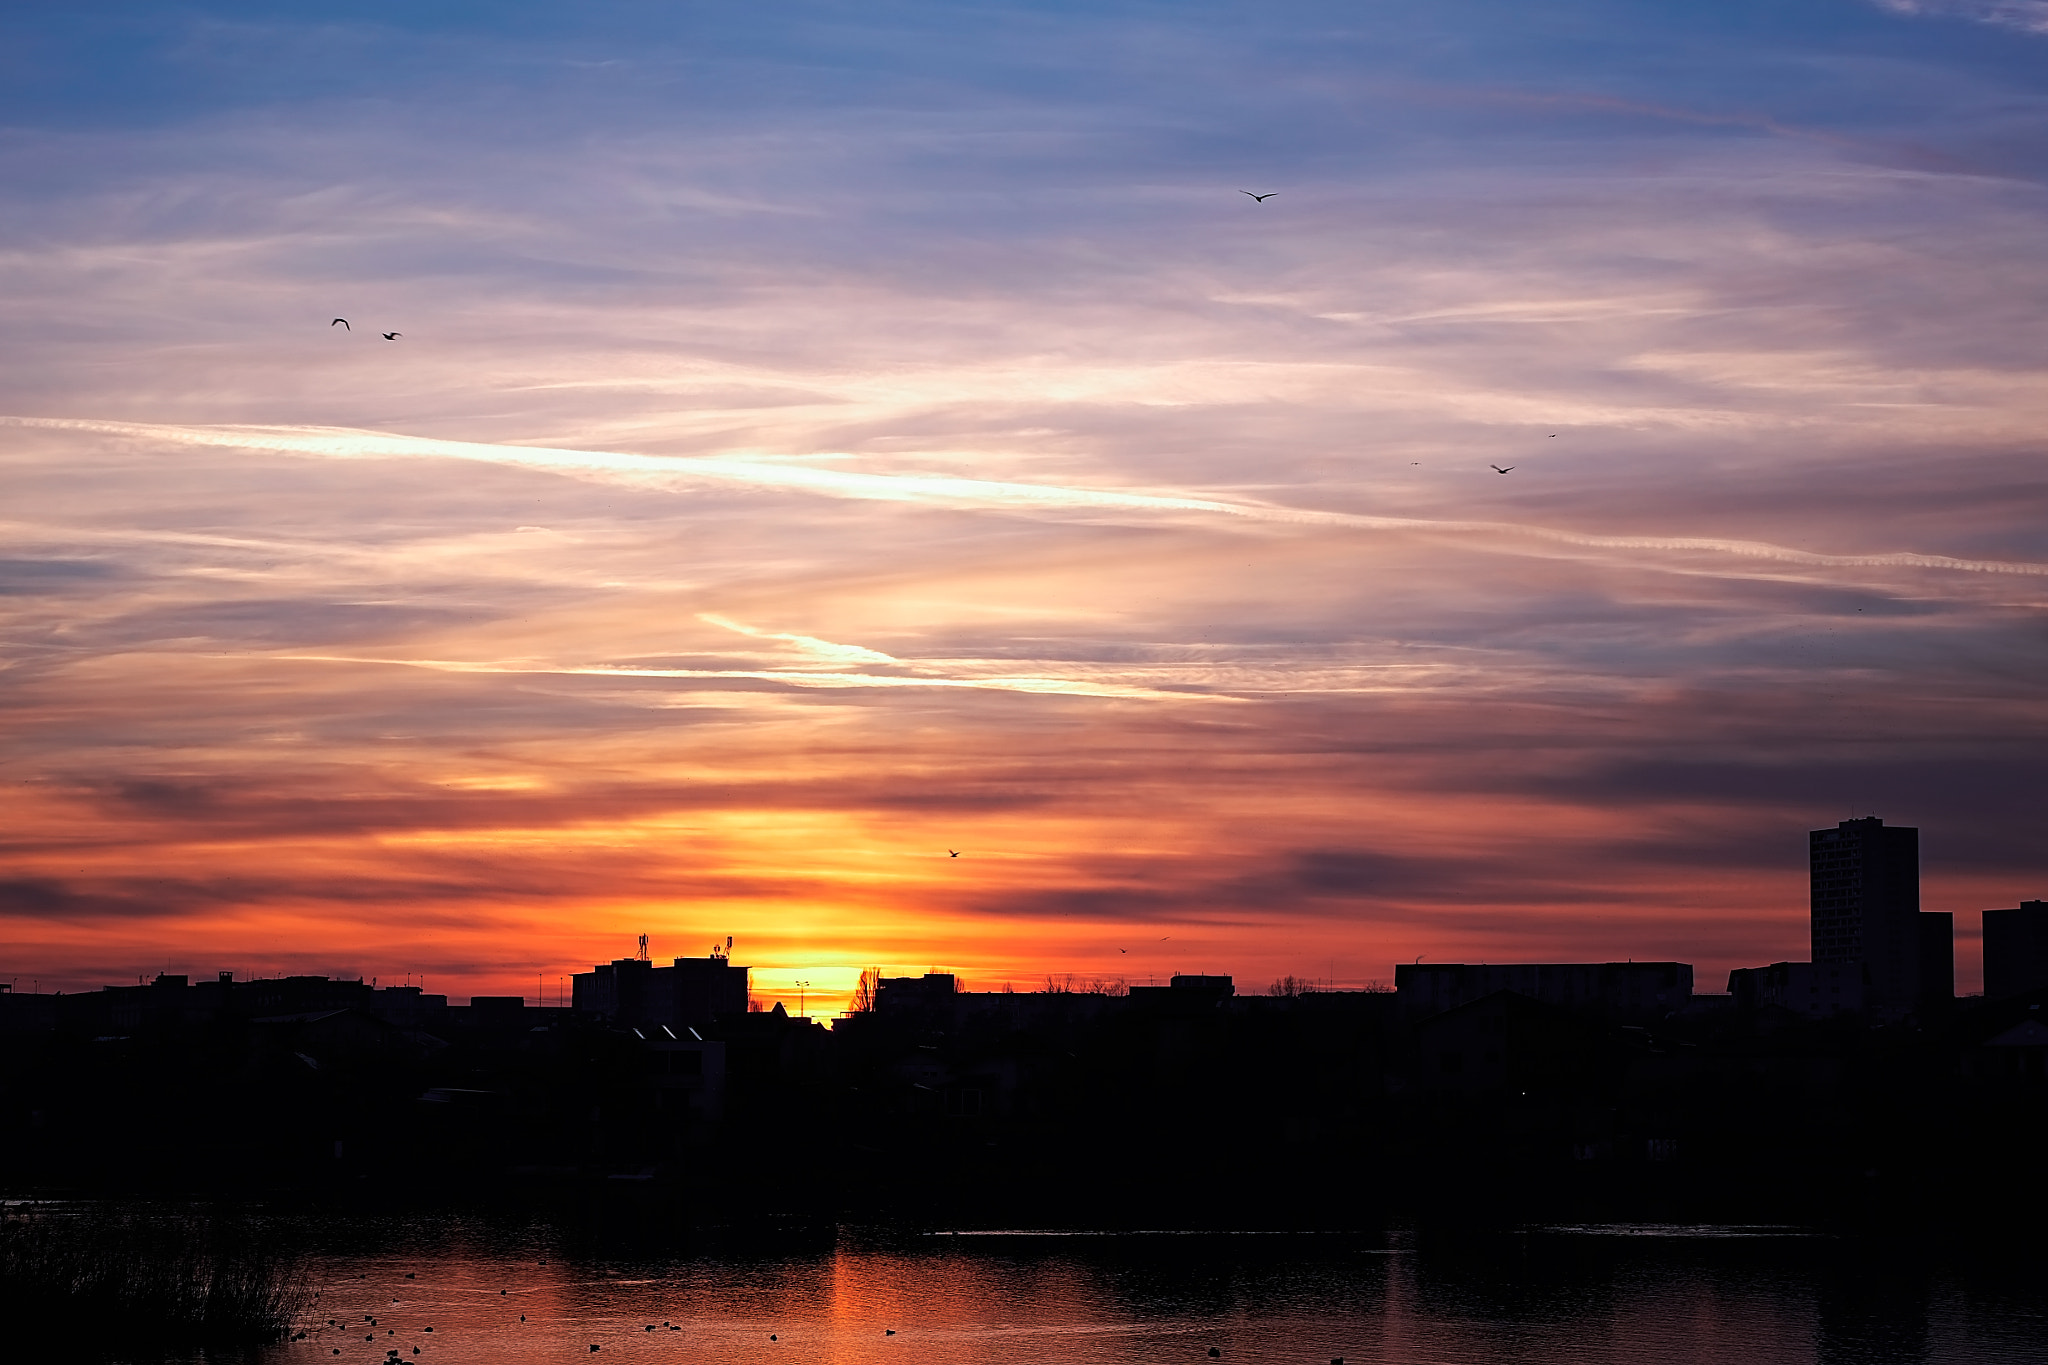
(126, 1277)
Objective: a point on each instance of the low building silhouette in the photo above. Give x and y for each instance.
(2019, 1053)
(1615, 992)
(26, 1012)
(896, 992)
(691, 992)
(1185, 991)
(2016, 950)
(1502, 1042)
(1813, 990)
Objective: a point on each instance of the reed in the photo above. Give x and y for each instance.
(99, 1276)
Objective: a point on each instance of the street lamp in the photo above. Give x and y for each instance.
(801, 986)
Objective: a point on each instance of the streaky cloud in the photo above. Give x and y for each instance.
(667, 472)
(797, 678)
(809, 644)
(2029, 16)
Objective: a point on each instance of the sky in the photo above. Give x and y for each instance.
(823, 438)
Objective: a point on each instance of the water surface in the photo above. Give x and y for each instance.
(1630, 1295)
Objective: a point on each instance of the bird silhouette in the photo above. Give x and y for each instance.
(344, 325)
(393, 336)
(1498, 470)
(952, 853)
(1261, 198)
(1123, 950)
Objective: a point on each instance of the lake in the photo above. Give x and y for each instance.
(1632, 1295)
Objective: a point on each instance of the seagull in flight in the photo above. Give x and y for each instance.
(1261, 198)
(952, 853)
(1498, 470)
(343, 323)
(393, 336)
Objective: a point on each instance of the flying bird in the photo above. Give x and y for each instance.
(952, 853)
(1498, 470)
(393, 336)
(344, 325)
(1262, 198)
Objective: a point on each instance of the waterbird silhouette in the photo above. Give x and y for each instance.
(1261, 198)
(344, 325)
(952, 853)
(393, 336)
(1498, 470)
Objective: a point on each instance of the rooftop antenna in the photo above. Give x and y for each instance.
(643, 947)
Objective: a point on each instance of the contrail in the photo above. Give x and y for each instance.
(669, 471)
(795, 678)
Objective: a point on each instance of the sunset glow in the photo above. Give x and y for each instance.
(821, 441)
